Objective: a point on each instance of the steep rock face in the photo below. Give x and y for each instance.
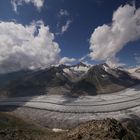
(76, 80)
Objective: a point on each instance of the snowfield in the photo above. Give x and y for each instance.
(58, 111)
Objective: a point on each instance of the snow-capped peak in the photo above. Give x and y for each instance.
(110, 70)
(80, 67)
(76, 71)
(106, 67)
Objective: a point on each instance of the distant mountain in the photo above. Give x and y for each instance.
(132, 70)
(137, 70)
(103, 79)
(75, 72)
(75, 80)
(81, 64)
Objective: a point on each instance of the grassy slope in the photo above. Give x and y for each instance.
(12, 128)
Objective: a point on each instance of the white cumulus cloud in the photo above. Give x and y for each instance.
(61, 25)
(26, 47)
(107, 40)
(37, 3)
(66, 60)
(65, 27)
(63, 12)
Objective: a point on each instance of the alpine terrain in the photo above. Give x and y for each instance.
(75, 80)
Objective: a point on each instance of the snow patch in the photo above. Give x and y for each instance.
(58, 130)
(76, 70)
(66, 70)
(106, 68)
(131, 70)
(104, 76)
(80, 68)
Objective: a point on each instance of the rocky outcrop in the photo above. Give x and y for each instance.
(106, 129)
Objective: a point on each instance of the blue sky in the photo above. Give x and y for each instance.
(84, 16)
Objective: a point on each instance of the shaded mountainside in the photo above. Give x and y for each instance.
(76, 80)
(35, 83)
(13, 128)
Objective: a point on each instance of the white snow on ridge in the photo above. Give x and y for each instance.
(66, 70)
(76, 70)
(106, 68)
(110, 71)
(80, 68)
(132, 70)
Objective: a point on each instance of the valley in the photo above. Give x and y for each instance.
(64, 97)
(71, 109)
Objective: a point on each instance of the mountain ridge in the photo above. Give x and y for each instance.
(75, 80)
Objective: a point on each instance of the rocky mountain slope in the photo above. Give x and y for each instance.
(75, 80)
(106, 129)
(14, 128)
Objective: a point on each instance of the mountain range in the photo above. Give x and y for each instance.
(70, 80)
